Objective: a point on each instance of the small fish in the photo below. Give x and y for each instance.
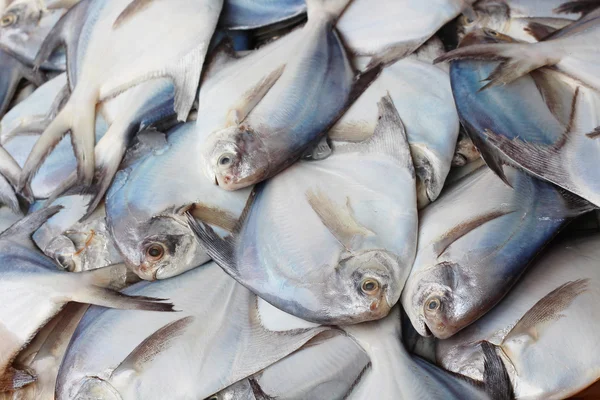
(292, 109)
(33, 279)
(222, 333)
(543, 123)
(328, 241)
(394, 374)
(475, 242)
(414, 85)
(543, 331)
(25, 24)
(105, 48)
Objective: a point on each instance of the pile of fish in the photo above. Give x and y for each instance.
(299, 199)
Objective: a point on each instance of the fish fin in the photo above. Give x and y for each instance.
(577, 7)
(319, 152)
(13, 379)
(249, 100)
(105, 297)
(395, 52)
(62, 189)
(517, 59)
(63, 33)
(339, 220)
(213, 216)
(26, 226)
(496, 380)
(8, 197)
(32, 126)
(221, 250)
(595, 134)
(538, 30)
(9, 168)
(351, 132)
(60, 4)
(464, 228)
(547, 310)
(153, 345)
(332, 9)
(557, 94)
(135, 7)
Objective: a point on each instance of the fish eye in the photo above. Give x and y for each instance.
(8, 19)
(369, 286)
(226, 159)
(155, 252)
(491, 32)
(434, 304)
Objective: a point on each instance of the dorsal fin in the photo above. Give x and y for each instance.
(135, 7)
(22, 230)
(153, 345)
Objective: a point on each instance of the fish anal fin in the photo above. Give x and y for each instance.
(461, 230)
(496, 379)
(25, 227)
(13, 379)
(154, 344)
(557, 94)
(249, 100)
(135, 7)
(547, 310)
(339, 220)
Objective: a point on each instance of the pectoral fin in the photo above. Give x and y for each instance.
(213, 216)
(22, 230)
(577, 7)
(339, 219)
(547, 310)
(135, 7)
(153, 345)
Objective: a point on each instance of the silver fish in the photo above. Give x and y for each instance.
(349, 237)
(544, 330)
(252, 14)
(394, 374)
(414, 85)
(475, 242)
(272, 130)
(38, 285)
(25, 24)
(12, 71)
(105, 49)
(222, 334)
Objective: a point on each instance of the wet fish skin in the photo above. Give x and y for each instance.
(11, 73)
(220, 327)
(318, 273)
(556, 357)
(252, 14)
(266, 137)
(26, 23)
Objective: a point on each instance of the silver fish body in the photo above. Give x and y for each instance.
(326, 240)
(252, 14)
(221, 334)
(543, 330)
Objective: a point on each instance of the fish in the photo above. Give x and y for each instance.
(248, 14)
(476, 241)
(273, 127)
(529, 21)
(46, 356)
(543, 330)
(570, 50)
(222, 333)
(25, 24)
(325, 240)
(20, 129)
(388, 30)
(414, 85)
(97, 36)
(12, 71)
(142, 211)
(395, 374)
(577, 7)
(36, 282)
(550, 134)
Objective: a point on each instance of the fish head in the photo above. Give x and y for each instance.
(24, 25)
(237, 158)
(366, 287)
(161, 247)
(492, 14)
(439, 300)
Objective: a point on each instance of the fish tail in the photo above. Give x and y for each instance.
(330, 8)
(516, 59)
(495, 376)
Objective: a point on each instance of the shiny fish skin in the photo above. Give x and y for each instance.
(563, 358)
(223, 334)
(252, 14)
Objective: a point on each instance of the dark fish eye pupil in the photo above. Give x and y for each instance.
(369, 286)
(155, 251)
(433, 304)
(225, 160)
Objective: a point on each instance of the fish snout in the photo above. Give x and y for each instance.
(146, 271)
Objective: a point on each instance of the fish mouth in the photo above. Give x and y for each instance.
(146, 272)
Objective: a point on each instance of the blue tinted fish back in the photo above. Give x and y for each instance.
(248, 14)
